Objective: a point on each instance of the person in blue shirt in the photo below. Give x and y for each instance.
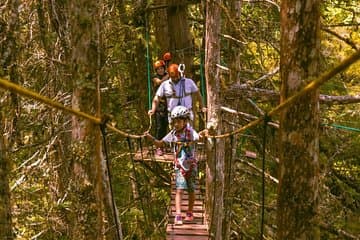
(178, 91)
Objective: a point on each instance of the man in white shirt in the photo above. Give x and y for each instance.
(178, 91)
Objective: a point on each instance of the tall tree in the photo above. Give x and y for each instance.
(299, 124)
(9, 106)
(161, 27)
(216, 152)
(179, 33)
(5, 209)
(87, 158)
(234, 63)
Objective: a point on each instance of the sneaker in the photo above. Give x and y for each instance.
(159, 152)
(189, 216)
(178, 220)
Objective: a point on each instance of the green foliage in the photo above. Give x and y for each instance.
(42, 197)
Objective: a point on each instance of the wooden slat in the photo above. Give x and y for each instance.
(196, 214)
(196, 221)
(187, 232)
(196, 229)
(188, 226)
(196, 209)
(185, 202)
(178, 237)
(148, 154)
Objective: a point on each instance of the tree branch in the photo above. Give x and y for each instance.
(267, 175)
(346, 40)
(246, 91)
(338, 232)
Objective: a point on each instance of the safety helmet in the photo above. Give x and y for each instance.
(159, 63)
(167, 56)
(180, 112)
(173, 70)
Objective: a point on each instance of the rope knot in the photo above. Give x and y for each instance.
(104, 120)
(267, 118)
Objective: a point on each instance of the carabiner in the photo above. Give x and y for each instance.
(181, 69)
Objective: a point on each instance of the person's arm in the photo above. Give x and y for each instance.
(203, 134)
(165, 77)
(196, 95)
(158, 81)
(201, 103)
(157, 143)
(155, 103)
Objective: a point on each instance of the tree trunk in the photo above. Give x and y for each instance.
(5, 206)
(87, 168)
(233, 62)
(8, 115)
(161, 28)
(299, 141)
(179, 35)
(216, 150)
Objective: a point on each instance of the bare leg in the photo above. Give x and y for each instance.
(178, 198)
(191, 201)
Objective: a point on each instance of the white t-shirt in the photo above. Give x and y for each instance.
(188, 134)
(184, 153)
(177, 93)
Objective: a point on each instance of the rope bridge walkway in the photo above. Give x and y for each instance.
(189, 230)
(198, 228)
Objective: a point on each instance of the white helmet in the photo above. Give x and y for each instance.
(180, 112)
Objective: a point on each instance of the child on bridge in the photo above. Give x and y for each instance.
(183, 138)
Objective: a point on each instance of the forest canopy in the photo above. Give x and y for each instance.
(64, 177)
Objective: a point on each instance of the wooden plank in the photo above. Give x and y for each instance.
(187, 232)
(185, 202)
(194, 230)
(196, 221)
(171, 227)
(198, 209)
(148, 154)
(196, 214)
(185, 193)
(175, 237)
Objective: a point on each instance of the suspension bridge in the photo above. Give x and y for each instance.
(198, 228)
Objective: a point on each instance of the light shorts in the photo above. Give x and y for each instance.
(186, 183)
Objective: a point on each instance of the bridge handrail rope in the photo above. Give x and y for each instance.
(33, 95)
(342, 127)
(308, 88)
